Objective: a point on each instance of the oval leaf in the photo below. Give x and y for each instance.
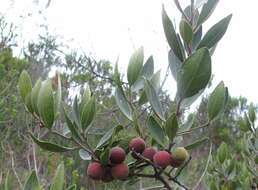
(174, 63)
(171, 126)
(58, 181)
(147, 72)
(186, 31)
(46, 104)
(156, 132)
(24, 84)
(72, 127)
(222, 152)
(135, 66)
(84, 155)
(195, 74)
(88, 113)
(32, 182)
(171, 35)
(123, 104)
(217, 101)
(153, 99)
(50, 146)
(58, 96)
(207, 10)
(34, 96)
(215, 33)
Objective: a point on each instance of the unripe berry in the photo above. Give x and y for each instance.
(180, 154)
(117, 155)
(149, 152)
(120, 171)
(95, 171)
(137, 144)
(162, 159)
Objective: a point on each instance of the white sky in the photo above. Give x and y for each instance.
(113, 28)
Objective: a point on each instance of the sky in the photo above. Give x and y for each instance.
(115, 28)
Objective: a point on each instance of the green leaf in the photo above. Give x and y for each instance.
(123, 104)
(188, 124)
(215, 33)
(28, 103)
(174, 63)
(222, 152)
(196, 144)
(148, 68)
(72, 187)
(117, 76)
(243, 125)
(217, 101)
(88, 113)
(50, 146)
(185, 103)
(85, 98)
(195, 74)
(153, 99)
(171, 126)
(252, 113)
(147, 72)
(58, 182)
(46, 104)
(7, 182)
(135, 66)
(34, 96)
(72, 127)
(24, 84)
(84, 155)
(197, 38)
(58, 96)
(105, 138)
(108, 135)
(186, 31)
(156, 132)
(207, 10)
(155, 81)
(170, 34)
(76, 112)
(32, 182)
(104, 156)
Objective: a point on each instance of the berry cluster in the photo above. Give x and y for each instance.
(116, 169)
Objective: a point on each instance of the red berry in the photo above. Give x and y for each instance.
(149, 153)
(162, 159)
(175, 163)
(120, 171)
(137, 144)
(117, 155)
(107, 177)
(95, 171)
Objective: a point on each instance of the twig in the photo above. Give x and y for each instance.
(192, 129)
(205, 170)
(34, 159)
(14, 171)
(181, 169)
(160, 187)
